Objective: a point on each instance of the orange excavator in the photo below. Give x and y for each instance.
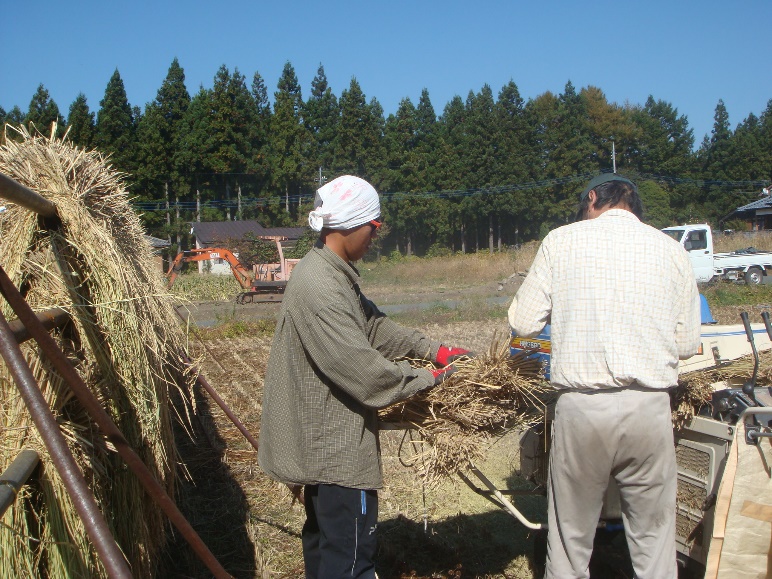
(265, 283)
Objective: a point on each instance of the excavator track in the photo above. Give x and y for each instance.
(262, 292)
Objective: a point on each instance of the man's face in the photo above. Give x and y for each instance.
(359, 239)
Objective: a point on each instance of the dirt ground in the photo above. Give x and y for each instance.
(251, 524)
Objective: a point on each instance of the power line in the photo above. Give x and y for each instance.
(160, 205)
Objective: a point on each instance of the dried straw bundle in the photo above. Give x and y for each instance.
(695, 388)
(693, 391)
(455, 421)
(123, 341)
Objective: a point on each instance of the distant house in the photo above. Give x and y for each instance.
(758, 214)
(214, 233)
(158, 245)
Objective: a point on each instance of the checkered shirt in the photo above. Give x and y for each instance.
(330, 369)
(621, 299)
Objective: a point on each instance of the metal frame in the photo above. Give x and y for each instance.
(83, 499)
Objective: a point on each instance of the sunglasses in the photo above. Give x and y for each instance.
(376, 224)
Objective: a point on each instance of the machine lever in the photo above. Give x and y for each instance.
(765, 317)
(748, 387)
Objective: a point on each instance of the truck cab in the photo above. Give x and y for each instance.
(697, 240)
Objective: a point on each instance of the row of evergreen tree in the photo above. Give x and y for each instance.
(489, 171)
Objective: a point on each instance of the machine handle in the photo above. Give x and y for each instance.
(765, 317)
(747, 324)
(748, 387)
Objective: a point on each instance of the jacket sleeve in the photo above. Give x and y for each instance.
(338, 346)
(531, 308)
(394, 341)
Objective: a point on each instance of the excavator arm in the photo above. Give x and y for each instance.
(240, 272)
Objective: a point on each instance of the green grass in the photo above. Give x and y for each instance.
(726, 293)
(205, 287)
(439, 313)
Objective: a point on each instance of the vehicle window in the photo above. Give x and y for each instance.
(674, 233)
(698, 239)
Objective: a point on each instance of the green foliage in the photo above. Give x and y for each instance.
(736, 225)
(116, 125)
(81, 124)
(43, 112)
(304, 244)
(396, 256)
(493, 170)
(290, 140)
(656, 204)
(437, 250)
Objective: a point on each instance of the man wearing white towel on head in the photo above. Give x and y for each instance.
(330, 369)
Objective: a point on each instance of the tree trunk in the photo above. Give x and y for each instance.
(227, 202)
(286, 198)
(238, 192)
(463, 237)
(168, 215)
(498, 232)
(409, 248)
(490, 233)
(177, 220)
(198, 204)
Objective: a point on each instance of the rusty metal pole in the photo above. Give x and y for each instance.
(65, 464)
(221, 403)
(53, 318)
(106, 424)
(16, 476)
(25, 197)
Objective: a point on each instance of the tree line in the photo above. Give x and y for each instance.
(489, 171)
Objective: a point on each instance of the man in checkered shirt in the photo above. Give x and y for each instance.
(623, 305)
(330, 369)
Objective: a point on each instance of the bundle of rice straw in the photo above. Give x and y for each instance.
(695, 388)
(455, 421)
(123, 341)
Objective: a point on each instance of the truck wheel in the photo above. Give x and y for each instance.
(754, 276)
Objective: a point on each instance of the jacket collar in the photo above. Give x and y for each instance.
(338, 263)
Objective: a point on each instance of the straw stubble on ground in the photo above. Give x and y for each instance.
(432, 531)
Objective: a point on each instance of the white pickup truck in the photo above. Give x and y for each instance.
(751, 265)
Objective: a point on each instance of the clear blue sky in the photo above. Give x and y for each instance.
(690, 53)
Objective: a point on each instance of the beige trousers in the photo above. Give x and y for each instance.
(627, 434)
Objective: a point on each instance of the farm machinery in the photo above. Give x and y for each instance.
(711, 535)
(264, 282)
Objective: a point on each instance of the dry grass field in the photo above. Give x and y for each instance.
(251, 523)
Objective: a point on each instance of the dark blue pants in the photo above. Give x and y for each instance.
(339, 533)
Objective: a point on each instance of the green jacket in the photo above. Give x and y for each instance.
(330, 369)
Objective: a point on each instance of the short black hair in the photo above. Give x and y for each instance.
(613, 193)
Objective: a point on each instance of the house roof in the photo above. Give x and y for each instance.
(209, 232)
(763, 203)
(156, 242)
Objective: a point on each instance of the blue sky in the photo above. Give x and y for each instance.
(686, 52)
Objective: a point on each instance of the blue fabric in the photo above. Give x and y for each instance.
(705, 314)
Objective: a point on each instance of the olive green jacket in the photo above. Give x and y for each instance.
(330, 369)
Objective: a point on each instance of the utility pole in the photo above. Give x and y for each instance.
(613, 155)
(322, 179)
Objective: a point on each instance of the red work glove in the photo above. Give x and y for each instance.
(447, 355)
(441, 373)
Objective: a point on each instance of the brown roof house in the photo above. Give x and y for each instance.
(158, 246)
(758, 214)
(213, 233)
